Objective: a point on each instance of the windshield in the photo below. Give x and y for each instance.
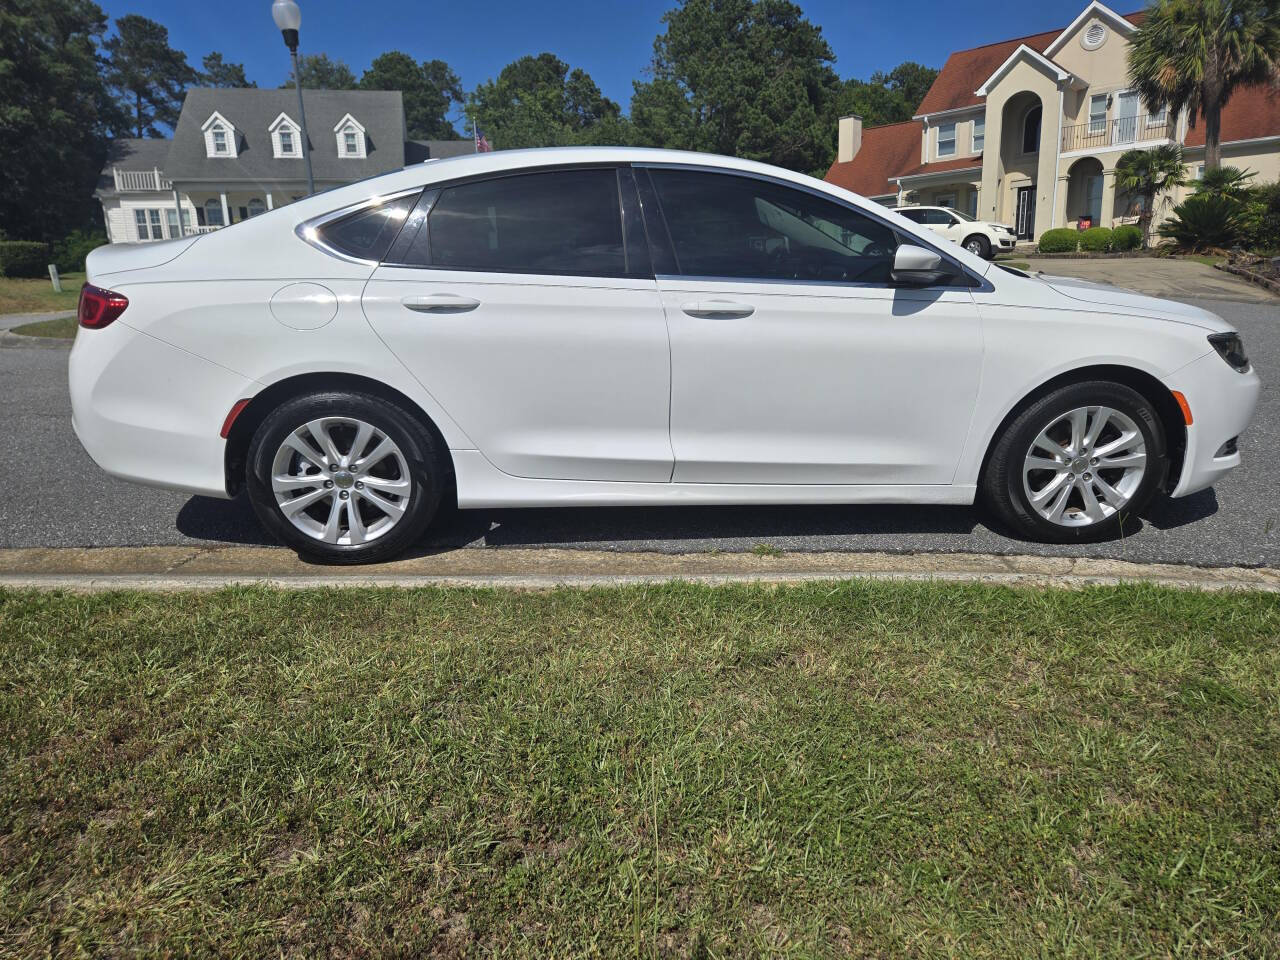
(963, 216)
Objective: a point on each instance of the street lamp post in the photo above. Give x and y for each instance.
(288, 19)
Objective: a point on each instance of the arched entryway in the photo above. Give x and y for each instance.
(1022, 123)
(1085, 193)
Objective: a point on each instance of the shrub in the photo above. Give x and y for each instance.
(69, 253)
(1126, 237)
(1204, 220)
(1061, 240)
(1096, 240)
(23, 258)
(1262, 217)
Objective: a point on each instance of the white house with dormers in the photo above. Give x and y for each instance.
(237, 153)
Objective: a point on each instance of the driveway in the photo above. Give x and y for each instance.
(1165, 277)
(55, 496)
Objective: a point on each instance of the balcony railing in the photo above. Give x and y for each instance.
(140, 181)
(1115, 133)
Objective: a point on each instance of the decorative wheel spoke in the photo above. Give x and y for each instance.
(322, 474)
(1084, 466)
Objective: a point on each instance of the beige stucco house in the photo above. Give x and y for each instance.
(1028, 131)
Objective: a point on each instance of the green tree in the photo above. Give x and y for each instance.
(55, 116)
(318, 72)
(1148, 175)
(430, 89)
(218, 73)
(908, 82)
(886, 98)
(1230, 182)
(538, 101)
(747, 78)
(1194, 54)
(149, 77)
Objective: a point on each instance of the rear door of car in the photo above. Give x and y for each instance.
(526, 305)
(795, 357)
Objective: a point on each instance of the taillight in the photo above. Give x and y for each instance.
(99, 307)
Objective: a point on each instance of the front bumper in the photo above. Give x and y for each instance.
(1222, 402)
(149, 412)
(1006, 242)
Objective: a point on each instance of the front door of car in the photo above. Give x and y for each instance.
(794, 358)
(526, 306)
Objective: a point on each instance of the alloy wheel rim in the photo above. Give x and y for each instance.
(973, 246)
(1084, 466)
(341, 481)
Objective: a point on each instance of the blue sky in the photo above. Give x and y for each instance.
(612, 41)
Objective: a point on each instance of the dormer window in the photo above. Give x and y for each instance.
(219, 136)
(351, 141)
(286, 138)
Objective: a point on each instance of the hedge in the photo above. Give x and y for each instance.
(1096, 240)
(1126, 237)
(69, 253)
(23, 258)
(1062, 240)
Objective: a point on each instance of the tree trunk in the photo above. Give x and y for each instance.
(1213, 135)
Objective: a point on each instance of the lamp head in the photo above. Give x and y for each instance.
(288, 19)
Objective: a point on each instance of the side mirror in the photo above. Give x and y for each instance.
(917, 267)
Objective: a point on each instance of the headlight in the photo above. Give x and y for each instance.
(1231, 349)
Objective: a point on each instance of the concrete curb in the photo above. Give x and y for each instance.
(196, 568)
(10, 340)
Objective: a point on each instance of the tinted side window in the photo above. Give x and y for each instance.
(939, 218)
(915, 215)
(728, 226)
(564, 222)
(367, 234)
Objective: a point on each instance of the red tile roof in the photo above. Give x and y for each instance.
(965, 71)
(884, 152)
(1250, 113)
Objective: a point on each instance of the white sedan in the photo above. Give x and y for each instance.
(593, 326)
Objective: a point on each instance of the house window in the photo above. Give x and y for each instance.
(257, 207)
(219, 141)
(946, 200)
(349, 143)
(946, 139)
(213, 213)
(286, 143)
(979, 134)
(971, 203)
(171, 219)
(1031, 130)
(148, 223)
(1097, 114)
(1159, 118)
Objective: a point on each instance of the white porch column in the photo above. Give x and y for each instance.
(270, 205)
(1108, 199)
(226, 210)
(177, 205)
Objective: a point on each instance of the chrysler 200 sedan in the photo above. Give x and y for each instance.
(592, 326)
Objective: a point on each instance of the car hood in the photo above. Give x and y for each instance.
(119, 257)
(1130, 301)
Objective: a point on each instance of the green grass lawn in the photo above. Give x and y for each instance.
(63, 328)
(22, 295)
(822, 770)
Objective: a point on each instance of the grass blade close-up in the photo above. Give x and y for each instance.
(876, 769)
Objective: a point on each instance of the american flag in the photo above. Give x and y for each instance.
(482, 142)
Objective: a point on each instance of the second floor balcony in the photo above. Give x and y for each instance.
(1120, 132)
(140, 181)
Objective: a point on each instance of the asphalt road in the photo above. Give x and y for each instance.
(55, 496)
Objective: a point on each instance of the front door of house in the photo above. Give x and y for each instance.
(1025, 219)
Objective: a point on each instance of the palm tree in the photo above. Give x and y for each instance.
(1148, 174)
(1230, 182)
(1193, 54)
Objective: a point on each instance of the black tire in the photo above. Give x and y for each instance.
(420, 446)
(984, 245)
(1001, 485)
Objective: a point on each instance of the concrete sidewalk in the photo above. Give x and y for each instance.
(188, 568)
(10, 320)
(1159, 277)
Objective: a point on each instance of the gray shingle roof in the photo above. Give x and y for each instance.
(416, 151)
(132, 154)
(251, 112)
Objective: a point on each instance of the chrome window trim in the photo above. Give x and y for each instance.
(980, 283)
(308, 231)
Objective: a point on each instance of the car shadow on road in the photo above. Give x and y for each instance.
(233, 522)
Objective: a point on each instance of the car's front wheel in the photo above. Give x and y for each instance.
(344, 477)
(979, 246)
(1077, 463)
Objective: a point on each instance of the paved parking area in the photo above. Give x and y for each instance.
(55, 496)
(1176, 279)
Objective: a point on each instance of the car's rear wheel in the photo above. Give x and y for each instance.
(979, 246)
(344, 477)
(1075, 465)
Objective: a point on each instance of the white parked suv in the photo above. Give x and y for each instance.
(979, 237)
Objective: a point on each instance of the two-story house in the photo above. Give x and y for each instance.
(1028, 131)
(237, 153)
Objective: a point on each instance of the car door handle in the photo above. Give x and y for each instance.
(440, 303)
(718, 309)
